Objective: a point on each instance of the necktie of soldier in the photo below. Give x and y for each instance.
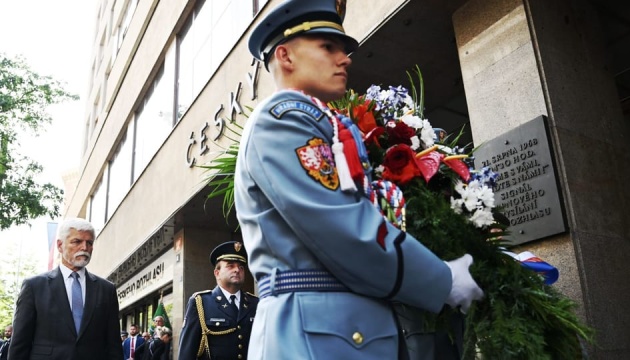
(77, 301)
(233, 304)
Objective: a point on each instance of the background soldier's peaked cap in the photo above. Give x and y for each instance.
(229, 251)
(295, 17)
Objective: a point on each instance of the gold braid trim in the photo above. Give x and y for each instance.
(204, 344)
(224, 332)
(308, 25)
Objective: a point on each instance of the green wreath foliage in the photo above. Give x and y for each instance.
(520, 317)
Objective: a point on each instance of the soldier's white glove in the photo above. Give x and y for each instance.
(464, 289)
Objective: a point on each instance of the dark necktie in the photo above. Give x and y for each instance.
(233, 304)
(133, 346)
(77, 301)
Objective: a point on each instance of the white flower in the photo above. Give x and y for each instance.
(409, 104)
(482, 217)
(427, 135)
(412, 121)
(415, 143)
(474, 185)
(486, 196)
(470, 199)
(456, 205)
(460, 186)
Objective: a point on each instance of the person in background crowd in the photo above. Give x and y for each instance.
(327, 263)
(139, 355)
(158, 349)
(157, 321)
(68, 313)
(146, 336)
(4, 345)
(133, 342)
(124, 335)
(218, 322)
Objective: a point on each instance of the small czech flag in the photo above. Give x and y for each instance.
(534, 263)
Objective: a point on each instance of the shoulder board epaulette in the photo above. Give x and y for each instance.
(252, 295)
(201, 292)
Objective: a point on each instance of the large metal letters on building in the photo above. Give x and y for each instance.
(235, 108)
(527, 187)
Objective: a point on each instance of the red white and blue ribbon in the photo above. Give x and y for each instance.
(389, 199)
(530, 261)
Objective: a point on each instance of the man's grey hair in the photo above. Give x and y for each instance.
(77, 224)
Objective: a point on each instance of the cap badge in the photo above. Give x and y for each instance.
(238, 246)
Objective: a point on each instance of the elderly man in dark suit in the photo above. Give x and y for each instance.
(68, 313)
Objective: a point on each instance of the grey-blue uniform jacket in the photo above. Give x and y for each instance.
(294, 216)
(218, 317)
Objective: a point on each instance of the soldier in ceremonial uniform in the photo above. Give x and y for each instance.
(328, 264)
(218, 322)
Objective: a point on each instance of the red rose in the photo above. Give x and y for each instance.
(400, 165)
(400, 134)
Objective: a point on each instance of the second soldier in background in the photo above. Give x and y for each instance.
(218, 322)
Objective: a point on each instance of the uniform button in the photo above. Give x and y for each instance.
(240, 346)
(238, 327)
(240, 336)
(358, 338)
(240, 356)
(216, 324)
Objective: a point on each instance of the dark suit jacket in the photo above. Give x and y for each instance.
(43, 327)
(127, 345)
(4, 349)
(155, 350)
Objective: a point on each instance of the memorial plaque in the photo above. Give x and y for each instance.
(527, 188)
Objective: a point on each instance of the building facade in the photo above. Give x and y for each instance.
(171, 80)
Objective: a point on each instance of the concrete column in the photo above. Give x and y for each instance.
(525, 58)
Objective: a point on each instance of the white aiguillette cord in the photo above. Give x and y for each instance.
(345, 180)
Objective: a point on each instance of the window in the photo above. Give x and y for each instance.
(120, 172)
(154, 119)
(121, 31)
(98, 205)
(205, 40)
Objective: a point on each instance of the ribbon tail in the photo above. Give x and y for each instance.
(345, 179)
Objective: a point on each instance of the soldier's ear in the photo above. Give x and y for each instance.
(283, 56)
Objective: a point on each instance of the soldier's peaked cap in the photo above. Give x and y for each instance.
(229, 251)
(296, 17)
